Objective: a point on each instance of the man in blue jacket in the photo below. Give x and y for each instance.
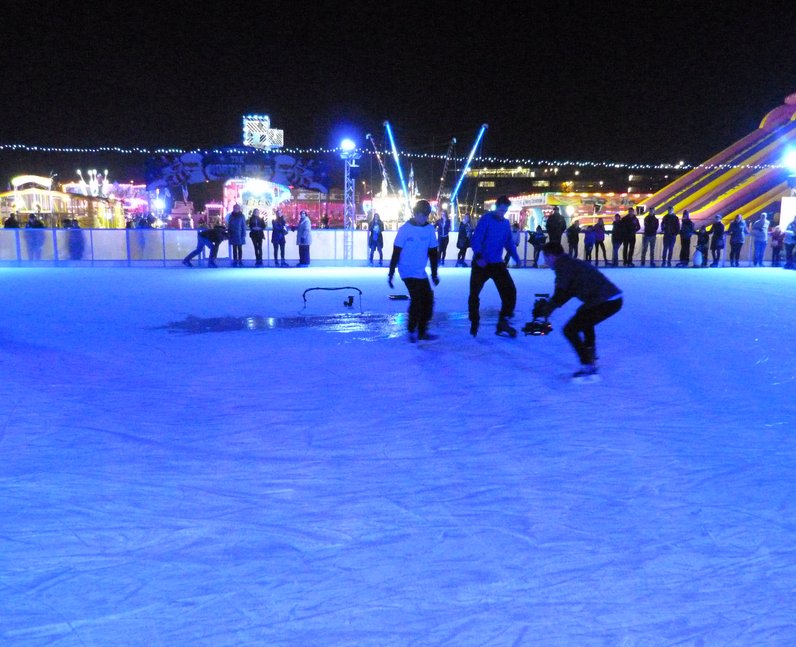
(491, 237)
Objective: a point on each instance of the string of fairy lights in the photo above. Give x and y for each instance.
(479, 161)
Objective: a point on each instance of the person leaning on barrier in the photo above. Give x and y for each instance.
(670, 226)
(304, 238)
(629, 227)
(687, 230)
(648, 238)
(737, 232)
(717, 240)
(210, 238)
(256, 225)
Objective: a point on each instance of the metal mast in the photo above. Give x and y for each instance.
(385, 178)
(350, 155)
(445, 169)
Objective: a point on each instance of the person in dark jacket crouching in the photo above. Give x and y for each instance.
(210, 238)
(601, 299)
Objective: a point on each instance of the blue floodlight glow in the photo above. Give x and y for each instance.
(455, 191)
(347, 145)
(397, 162)
(789, 160)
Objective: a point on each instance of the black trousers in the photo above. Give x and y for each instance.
(735, 254)
(421, 304)
(499, 273)
(442, 245)
(597, 247)
(579, 330)
(668, 247)
(279, 246)
(257, 241)
(628, 249)
(685, 249)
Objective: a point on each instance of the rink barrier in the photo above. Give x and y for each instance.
(165, 247)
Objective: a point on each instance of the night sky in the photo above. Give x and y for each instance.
(640, 82)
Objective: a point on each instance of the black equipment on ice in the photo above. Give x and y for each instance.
(348, 303)
(540, 325)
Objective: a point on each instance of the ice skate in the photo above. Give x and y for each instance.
(504, 329)
(586, 375)
(427, 337)
(474, 329)
(187, 263)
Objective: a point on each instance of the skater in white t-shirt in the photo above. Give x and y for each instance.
(416, 245)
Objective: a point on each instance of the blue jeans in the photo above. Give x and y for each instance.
(200, 245)
(760, 250)
(648, 242)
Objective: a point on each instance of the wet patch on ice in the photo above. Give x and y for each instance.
(366, 326)
(362, 326)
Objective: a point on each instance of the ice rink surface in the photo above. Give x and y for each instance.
(200, 457)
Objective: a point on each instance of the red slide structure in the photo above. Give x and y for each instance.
(744, 178)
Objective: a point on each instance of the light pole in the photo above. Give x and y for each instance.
(350, 155)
